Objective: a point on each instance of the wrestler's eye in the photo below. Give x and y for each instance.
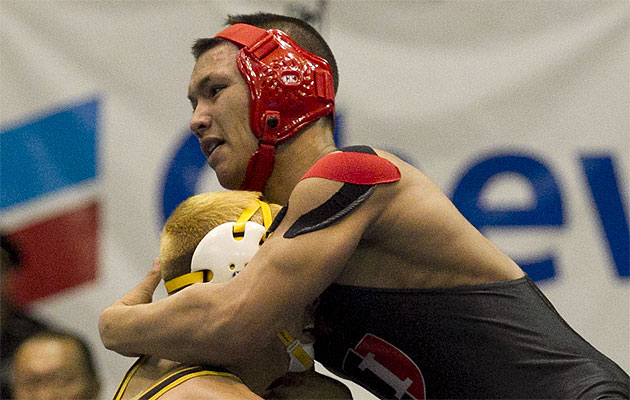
(213, 91)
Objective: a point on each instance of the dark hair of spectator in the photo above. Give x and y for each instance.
(12, 250)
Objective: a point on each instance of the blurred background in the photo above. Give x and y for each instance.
(518, 110)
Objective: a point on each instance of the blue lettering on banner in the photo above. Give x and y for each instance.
(48, 154)
(547, 209)
(604, 187)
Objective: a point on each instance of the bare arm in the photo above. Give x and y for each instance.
(142, 293)
(223, 324)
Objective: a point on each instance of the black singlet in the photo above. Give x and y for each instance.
(502, 340)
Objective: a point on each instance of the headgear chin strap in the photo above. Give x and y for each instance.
(225, 250)
(289, 88)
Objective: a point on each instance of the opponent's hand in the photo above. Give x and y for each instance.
(113, 318)
(143, 292)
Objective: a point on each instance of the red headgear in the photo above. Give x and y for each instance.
(289, 88)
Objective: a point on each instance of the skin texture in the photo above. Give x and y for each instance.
(410, 226)
(51, 369)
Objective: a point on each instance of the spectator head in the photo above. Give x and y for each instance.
(54, 365)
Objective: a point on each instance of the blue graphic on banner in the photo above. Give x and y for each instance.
(184, 170)
(547, 209)
(182, 174)
(604, 186)
(48, 154)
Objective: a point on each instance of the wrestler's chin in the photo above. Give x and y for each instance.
(227, 179)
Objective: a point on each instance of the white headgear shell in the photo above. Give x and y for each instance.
(222, 254)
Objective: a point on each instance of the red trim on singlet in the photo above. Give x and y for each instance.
(357, 168)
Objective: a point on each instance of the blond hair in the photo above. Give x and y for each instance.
(193, 219)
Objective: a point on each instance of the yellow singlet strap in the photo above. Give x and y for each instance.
(239, 226)
(180, 377)
(175, 284)
(267, 217)
(130, 373)
(294, 347)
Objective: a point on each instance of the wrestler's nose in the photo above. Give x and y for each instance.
(200, 120)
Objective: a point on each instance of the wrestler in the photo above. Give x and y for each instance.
(414, 301)
(210, 237)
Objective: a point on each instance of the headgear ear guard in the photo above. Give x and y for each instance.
(289, 88)
(225, 250)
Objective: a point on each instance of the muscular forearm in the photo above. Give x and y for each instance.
(170, 328)
(133, 325)
(125, 329)
(196, 326)
(200, 324)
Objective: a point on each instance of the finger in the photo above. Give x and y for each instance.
(156, 265)
(143, 292)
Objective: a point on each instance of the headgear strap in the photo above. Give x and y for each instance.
(236, 232)
(289, 88)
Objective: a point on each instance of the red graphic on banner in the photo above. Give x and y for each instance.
(385, 369)
(57, 254)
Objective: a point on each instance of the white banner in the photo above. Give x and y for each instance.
(518, 110)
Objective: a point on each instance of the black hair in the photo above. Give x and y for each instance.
(304, 35)
(12, 250)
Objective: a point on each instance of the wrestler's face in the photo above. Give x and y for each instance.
(220, 99)
(52, 369)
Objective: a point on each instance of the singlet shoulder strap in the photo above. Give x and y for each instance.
(125, 382)
(178, 377)
(359, 165)
(168, 381)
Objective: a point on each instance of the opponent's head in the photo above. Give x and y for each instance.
(210, 237)
(291, 75)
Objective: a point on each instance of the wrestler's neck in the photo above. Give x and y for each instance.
(296, 156)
